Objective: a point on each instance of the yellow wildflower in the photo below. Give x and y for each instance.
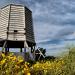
(20, 61)
(22, 71)
(17, 66)
(14, 58)
(3, 55)
(3, 61)
(7, 71)
(28, 74)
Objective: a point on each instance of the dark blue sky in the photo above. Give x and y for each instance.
(54, 22)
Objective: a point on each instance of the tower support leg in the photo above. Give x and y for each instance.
(24, 53)
(34, 53)
(8, 49)
(31, 49)
(4, 45)
(24, 50)
(21, 50)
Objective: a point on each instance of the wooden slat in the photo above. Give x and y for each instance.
(4, 16)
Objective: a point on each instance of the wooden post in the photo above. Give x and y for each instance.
(4, 45)
(21, 50)
(31, 49)
(34, 52)
(8, 49)
(24, 50)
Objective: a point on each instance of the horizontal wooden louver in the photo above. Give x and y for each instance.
(4, 16)
(29, 26)
(16, 23)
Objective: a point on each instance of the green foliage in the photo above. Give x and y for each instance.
(32, 62)
(60, 66)
(48, 58)
(12, 65)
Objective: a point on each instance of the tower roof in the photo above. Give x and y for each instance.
(16, 5)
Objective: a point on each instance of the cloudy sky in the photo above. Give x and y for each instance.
(54, 23)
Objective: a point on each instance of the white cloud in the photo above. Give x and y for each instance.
(53, 19)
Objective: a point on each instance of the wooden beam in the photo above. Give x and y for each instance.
(21, 50)
(24, 50)
(34, 52)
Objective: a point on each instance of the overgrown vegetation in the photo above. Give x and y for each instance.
(12, 65)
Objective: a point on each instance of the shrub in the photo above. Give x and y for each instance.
(61, 66)
(12, 65)
(47, 68)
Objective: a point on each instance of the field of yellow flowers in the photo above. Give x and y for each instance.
(12, 65)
